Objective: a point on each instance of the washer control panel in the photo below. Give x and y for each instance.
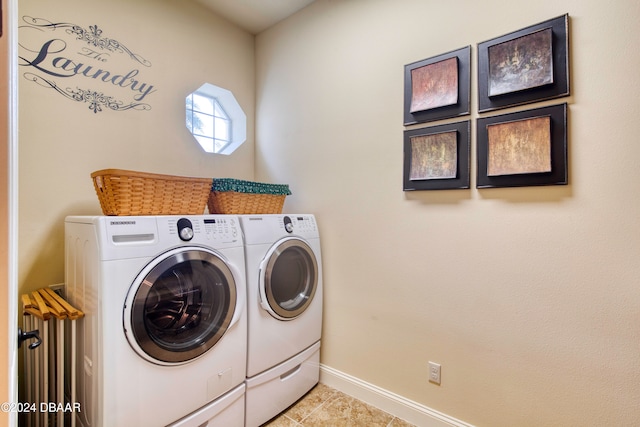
(222, 228)
(205, 229)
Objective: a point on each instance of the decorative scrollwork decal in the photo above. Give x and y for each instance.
(54, 51)
(97, 100)
(92, 36)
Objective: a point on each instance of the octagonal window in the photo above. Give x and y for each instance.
(215, 119)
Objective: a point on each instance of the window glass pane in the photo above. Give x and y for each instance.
(205, 143)
(202, 124)
(219, 112)
(222, 129)
(203, 104)
(189, 117)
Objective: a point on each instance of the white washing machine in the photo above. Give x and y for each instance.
(284, 311)
(164, 337)
(227, 410)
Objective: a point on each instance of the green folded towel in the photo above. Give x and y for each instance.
(240, 186)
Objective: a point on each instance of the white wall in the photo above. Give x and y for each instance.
(528, 297)
(6, 357)
(62, 141)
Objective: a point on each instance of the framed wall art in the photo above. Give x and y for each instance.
(528, 65)
(437, 157)
(526, 148)
(438, 87)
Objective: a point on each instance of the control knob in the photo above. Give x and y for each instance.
(185, 229)
(288, 225)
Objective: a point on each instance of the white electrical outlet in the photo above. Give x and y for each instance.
(434, 373)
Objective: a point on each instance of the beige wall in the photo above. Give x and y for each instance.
(528, 297)
(62, 141)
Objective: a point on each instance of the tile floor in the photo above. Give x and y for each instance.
(324, 406)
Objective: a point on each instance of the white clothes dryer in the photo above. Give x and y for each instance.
(284, 311)
(164, 332)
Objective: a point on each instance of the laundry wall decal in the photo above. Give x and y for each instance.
(107, 74)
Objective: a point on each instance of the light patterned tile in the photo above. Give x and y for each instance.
(310, 402)
(397, 422)
(281, 421)
(345, 411)
(324, 406)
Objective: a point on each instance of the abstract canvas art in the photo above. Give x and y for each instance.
(434, 85)
(434, 156)
(437, 157)
(438, 87)
(525, 66)
(523, 63)
(522, 146)
(525, 148)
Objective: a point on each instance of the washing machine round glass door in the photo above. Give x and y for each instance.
(180, 306)
(290, 279)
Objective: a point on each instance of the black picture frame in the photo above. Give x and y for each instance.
(557, 174)
(550, 65)
(458, 178)
(447, 109)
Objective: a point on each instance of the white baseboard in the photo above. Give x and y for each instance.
(394, 404)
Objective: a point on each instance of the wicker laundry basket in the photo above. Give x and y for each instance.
(238, 197)
(124, 192)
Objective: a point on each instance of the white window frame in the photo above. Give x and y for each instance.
(232, 109)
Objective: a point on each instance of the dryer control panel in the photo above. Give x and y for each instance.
(299, 224)
(269, 228)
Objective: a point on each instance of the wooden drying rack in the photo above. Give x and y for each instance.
(45, 303)
(45, 313)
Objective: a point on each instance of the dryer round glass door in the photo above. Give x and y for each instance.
(180, 306)
(290, 279)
